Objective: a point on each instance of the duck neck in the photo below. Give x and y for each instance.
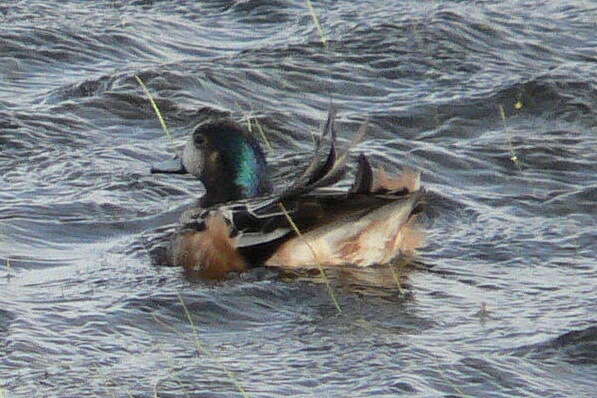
(219, 190)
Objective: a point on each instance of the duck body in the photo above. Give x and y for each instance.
(309, 224)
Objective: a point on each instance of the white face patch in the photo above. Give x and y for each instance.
(193, 158)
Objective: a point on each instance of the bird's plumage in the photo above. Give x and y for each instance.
(372, 222)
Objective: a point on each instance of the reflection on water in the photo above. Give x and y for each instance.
(380, 280)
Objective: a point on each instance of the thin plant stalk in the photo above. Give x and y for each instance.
(318, 263)
(250, 118)
(200, 347)
(513, 156)
(262, 133)
(107, 379)
(317, 24)
(155, 108)
(396, 276)
(172, 365)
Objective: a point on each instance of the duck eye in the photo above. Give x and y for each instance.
(199, 139)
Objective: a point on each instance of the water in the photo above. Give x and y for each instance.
(503, 301)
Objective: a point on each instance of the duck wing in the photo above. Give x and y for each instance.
(260, 226)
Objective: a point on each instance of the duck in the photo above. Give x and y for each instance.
(241, 222)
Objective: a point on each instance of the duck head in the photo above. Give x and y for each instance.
(226, 158)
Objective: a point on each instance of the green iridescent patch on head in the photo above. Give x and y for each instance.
(248, 171)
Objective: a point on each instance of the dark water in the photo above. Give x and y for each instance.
(84, 313)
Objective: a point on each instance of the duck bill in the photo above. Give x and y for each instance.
(173, 166)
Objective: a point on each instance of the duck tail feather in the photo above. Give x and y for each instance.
(339, 168)
(314, 169)
(322, 170)
(331, 171)
(364, 176)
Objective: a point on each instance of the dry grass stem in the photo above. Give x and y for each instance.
(396, 275)
(513, 156)
(155, 108)
(250, 119)
(201, 348)
(318, 263)
(317, 24)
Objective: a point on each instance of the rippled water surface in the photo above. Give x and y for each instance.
(494, 101)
